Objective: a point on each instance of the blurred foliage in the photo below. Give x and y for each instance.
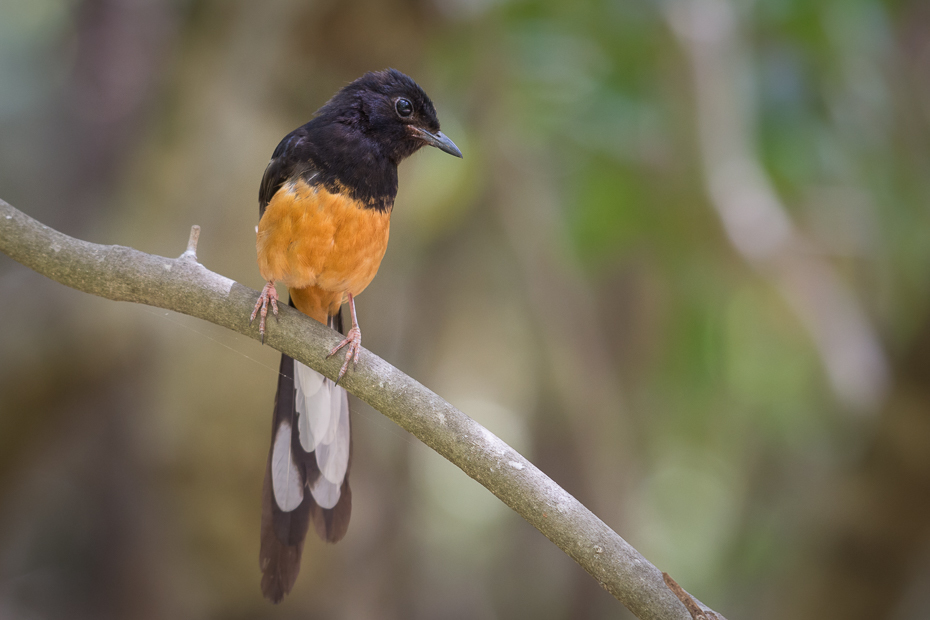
(568, 284)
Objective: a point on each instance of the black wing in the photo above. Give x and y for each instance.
(289, 160)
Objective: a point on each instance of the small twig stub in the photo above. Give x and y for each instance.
(191, 251)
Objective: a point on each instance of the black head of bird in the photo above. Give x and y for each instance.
(389, 111)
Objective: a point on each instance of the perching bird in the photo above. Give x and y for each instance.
(325, 207)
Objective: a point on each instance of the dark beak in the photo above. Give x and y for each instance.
(439, 140)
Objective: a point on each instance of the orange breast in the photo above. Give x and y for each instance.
(309, 237)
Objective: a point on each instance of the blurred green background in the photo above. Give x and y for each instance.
(684, 267)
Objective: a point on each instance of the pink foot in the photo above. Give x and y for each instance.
(269, 294)
(354, 341)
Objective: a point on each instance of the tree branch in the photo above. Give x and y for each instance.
(184, 285)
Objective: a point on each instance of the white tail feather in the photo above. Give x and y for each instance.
(333, 457)
(323, 423)
(285, 477)
(314, 406)
(325, 493)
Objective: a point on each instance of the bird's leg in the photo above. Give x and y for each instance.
(269, 294)
(353, 339)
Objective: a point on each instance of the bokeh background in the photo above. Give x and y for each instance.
(684, 267)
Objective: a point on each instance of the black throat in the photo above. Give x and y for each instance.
(345, 160)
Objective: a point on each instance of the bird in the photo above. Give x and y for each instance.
(325, 204)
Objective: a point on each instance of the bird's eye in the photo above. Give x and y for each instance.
(403, 107)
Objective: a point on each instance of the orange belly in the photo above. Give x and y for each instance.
(309, 238)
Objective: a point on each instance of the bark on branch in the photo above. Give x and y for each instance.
(184, 285)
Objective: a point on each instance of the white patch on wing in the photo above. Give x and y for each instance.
(285, 477)
(315, 413)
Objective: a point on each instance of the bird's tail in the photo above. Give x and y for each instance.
(307, 476)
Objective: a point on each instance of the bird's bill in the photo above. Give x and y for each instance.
(439, 140)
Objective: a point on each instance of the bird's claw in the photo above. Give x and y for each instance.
(269, 294)
(354, 342)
